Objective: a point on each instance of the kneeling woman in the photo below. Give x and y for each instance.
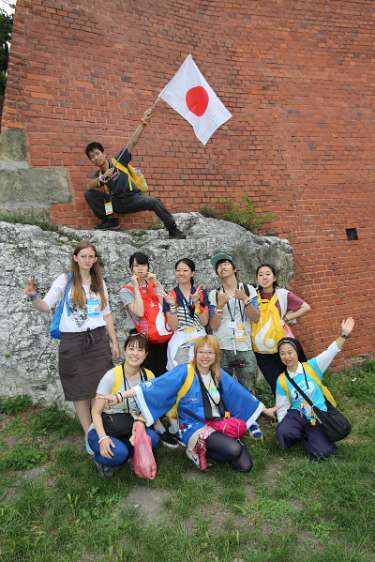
(111, 434)
(297, 422)
(202, 392)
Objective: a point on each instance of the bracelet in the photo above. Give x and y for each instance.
(144, 123)
(102, 438)
(119, 397)
(246, 303)
(345, 336)
(219, 310)
(172, 308)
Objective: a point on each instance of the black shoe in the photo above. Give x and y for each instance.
(104, 470)
(108, 224)
(176, 233)
(169, 440)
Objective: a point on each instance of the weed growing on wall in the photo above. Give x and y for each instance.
(245, 215)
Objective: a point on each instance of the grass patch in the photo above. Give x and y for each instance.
(286, 508)
(27, 218)
(10, 406)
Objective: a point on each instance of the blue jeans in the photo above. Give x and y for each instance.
(122, 450)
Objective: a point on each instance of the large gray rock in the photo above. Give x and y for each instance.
(28, 357)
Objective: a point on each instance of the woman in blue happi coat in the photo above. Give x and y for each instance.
(201, 391)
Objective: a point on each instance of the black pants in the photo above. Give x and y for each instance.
(156, 360)
(271, 366)
(133, 203)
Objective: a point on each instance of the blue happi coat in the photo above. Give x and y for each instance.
(156, 397)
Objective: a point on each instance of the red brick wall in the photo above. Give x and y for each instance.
(299, 79)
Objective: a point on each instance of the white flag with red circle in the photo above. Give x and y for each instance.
(192, 97)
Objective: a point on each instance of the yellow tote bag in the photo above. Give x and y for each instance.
(268, 331)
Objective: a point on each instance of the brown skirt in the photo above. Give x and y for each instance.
(84, 357)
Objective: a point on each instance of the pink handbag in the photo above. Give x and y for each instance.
(144, 464)
(233, 427)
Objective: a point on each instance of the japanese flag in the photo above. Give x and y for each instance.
(190, 95)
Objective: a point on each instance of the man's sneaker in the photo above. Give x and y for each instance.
(169, 440)
(255, 431)
(177, 233)
(200, 450)
(104, 470)
(108, 224)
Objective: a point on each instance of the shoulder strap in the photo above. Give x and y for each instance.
(310, 371)
(273, 300)
(69, 276)
(282, 381)
(187, 384)
(118, 378)
(125, 170)
(149, 374)
(298, 389)
(246, 289)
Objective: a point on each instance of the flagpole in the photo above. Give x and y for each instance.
(152, 109)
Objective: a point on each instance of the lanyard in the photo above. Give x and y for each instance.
(206, 390)
(233, 314)
(127, 384)
(187, 305)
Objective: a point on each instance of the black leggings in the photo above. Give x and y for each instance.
(222, 448)
(271, 367)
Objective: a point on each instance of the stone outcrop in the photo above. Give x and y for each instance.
(26, 191)
(28, 357)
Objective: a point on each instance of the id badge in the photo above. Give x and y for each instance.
(240, 332)
(93, 307)
(108, 208)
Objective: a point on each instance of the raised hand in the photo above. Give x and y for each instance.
(30, 287)
(347, 326)
(135, 282)
(195, 297)
(222, 299)
(241, 295)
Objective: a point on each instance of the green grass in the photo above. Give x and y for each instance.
(55, 508)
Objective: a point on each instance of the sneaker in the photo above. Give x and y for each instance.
(89, 451)
(255, 431)
(176, 233)
(200, 451)
(108, 224)
(169, 440)
(104, 470)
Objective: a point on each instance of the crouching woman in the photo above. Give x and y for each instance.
(203, 393)
(112, 431)
(297, 422)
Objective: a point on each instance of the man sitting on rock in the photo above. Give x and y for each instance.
(112, 191)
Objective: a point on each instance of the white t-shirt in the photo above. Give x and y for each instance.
(213, 393)
(234, 330)
(74, 319)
